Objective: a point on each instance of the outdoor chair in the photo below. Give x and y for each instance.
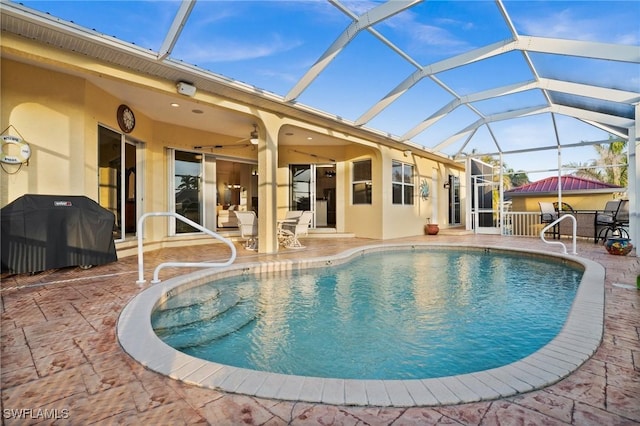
(291, 231)
(612, 221)
(248, 225)
(548, 214)
(566, 208)
(293, 214)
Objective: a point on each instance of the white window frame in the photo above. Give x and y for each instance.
(366, 182)
(404, 198)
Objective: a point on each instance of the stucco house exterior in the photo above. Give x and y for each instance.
(136, 139)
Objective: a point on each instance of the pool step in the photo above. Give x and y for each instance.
(168, 319)
(189, 298)
(203, 332)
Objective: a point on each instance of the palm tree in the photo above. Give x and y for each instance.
(518, 178)
(510, 178)
(188, 182)
(611, 165)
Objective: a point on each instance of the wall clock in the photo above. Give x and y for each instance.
(126, 119)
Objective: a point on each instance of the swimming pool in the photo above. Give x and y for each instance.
(575, 343)
(410, 314)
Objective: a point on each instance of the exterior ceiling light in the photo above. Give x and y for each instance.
(186, 89)
(254, 136)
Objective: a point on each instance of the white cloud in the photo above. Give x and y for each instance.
(568, 25)
(435, 38)
(225, 50)
(562, 24)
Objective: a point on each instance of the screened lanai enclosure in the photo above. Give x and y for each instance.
(535, 85)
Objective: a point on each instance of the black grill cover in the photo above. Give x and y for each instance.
(41, 232)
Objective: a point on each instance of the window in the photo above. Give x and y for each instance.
(402, 183)
(362, 182)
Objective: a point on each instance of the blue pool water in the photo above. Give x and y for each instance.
(394, 315)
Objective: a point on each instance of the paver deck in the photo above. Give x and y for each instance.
(61, 362)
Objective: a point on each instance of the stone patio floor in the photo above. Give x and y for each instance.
(61, 363)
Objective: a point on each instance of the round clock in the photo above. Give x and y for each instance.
(126, 119)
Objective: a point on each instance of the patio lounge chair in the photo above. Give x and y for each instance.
(612, 221)
(548, 214)
(292, 230)
(248, 225)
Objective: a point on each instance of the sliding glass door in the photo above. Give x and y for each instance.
(208, 190)
(313, 188)
(120, 179)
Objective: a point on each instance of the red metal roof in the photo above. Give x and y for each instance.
(569, 183)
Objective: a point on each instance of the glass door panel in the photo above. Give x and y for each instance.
(301, 187)
(187, 189)
(313, 188)
(454, 200)
(118, 185)
(130, 188)
(325, 190)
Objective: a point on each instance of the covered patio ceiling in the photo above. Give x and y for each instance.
(458, 77)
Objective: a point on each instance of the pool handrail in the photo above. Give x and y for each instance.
(215, 235)
(554, 223)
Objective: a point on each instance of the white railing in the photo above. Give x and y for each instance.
(554, 223)
(155, 280)
(521, 224)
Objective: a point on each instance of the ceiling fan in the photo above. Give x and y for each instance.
(252, 139)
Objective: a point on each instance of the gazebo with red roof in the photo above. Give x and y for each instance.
(580, 193)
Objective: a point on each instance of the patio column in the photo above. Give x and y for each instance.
(267, 183)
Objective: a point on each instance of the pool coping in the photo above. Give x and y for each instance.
(575, 343)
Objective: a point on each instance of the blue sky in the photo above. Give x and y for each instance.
(271, 43)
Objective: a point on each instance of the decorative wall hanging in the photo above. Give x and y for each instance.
(14, 150)
(126, 119)
(424, 189)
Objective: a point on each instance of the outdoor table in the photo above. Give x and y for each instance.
(585, 220)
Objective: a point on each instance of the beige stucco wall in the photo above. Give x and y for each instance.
(45, 108)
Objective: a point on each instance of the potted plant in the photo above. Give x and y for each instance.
(431, 228)
(618, 245)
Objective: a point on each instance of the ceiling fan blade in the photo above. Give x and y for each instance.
(235, 144)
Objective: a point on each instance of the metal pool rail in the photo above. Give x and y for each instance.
(554, 223)
(155, 280)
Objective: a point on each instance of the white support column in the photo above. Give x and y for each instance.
(267, 186)
(555, 132)
(633, 189)
(559, 181)
(501, 196)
